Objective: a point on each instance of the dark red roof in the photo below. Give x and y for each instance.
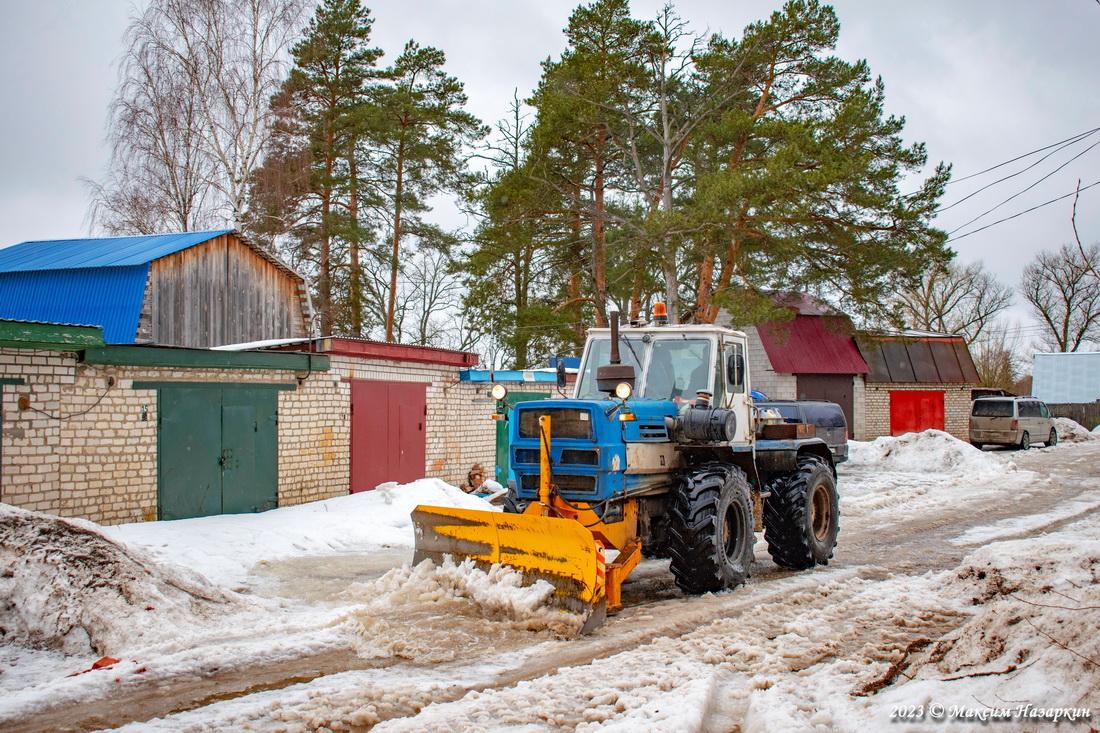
(367, 349)
(812, 345)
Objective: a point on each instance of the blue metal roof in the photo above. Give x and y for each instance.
(67, 254)
(507, 375)
(108, 297)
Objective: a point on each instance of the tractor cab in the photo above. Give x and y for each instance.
(677, 365)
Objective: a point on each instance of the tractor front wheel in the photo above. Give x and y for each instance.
(802, 515)
(511, 503)
(710, 532)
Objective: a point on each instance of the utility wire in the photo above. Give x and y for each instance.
(1013, 175)
(1073, 139)
(1020, 193)
(1026, 211)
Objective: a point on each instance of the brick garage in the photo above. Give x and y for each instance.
(880, 403)
(917, 381)
(80, 425)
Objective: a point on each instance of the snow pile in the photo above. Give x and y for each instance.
(929, 451)
(65, 586)
(1070, 431)
(1030, 646)
(498, 594)
(226, 548)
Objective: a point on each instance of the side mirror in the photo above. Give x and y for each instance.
(560, 369)
(735, 369)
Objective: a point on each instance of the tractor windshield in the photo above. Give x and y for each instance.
(632, 350)
(672, 367)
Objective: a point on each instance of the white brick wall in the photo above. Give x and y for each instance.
(99, 460)
(956, 407)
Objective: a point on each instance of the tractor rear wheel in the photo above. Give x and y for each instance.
(802, 515)
(710, 532)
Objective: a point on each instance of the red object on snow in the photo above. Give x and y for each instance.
(101, 663)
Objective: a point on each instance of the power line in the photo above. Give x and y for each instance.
(1060, 148)
(1075, 138)
(1020, 193)
(1025, 211)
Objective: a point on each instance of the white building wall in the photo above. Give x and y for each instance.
(1066, 378)
(763, 377)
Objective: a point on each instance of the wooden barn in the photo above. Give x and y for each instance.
(195, 289)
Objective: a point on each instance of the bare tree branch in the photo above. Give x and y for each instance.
(191, 117)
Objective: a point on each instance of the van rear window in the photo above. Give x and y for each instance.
(992, 408)
(826, 416)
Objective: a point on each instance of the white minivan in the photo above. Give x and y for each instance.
(1018, 421)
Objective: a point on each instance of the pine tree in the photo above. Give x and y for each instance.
(324, 106)
(421, 135)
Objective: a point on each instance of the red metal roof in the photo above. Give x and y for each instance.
(812, 345)
(394, 352)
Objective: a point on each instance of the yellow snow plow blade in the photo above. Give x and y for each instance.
(561, 551)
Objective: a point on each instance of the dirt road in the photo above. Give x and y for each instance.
(443, 652)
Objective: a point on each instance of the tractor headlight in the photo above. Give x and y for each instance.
(499, 392)
(623, 391)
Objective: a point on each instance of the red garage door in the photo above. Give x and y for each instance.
(912, 412)
(387, 432)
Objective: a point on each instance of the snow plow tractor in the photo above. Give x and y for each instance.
(661, 453)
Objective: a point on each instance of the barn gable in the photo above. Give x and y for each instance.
(196, 289)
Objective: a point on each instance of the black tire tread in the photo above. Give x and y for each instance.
(787, 528)
(694, 525)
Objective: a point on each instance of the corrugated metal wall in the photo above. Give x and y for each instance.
(1066, 378)
(108, 297)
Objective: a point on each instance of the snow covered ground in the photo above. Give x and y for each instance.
(855, 646)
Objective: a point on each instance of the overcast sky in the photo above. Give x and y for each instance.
(980, 81)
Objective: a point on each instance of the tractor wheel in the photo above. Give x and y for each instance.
(511, 503)
(1052, 439)
(710, 533)
(802, 516)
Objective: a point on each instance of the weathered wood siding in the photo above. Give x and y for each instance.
(222, 292)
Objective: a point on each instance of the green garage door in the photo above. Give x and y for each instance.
(217, 450)
(502, 431)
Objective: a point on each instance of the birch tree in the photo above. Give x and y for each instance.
(191, 118)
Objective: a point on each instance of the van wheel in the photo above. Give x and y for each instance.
(1052, 439)
(1025, 441)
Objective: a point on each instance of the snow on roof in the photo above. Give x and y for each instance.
(267, 344)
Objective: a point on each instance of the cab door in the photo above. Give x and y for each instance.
(736, 385)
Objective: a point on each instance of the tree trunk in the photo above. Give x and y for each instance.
(324, 284)
(355, 287)
(599, 232)
(391, 306)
